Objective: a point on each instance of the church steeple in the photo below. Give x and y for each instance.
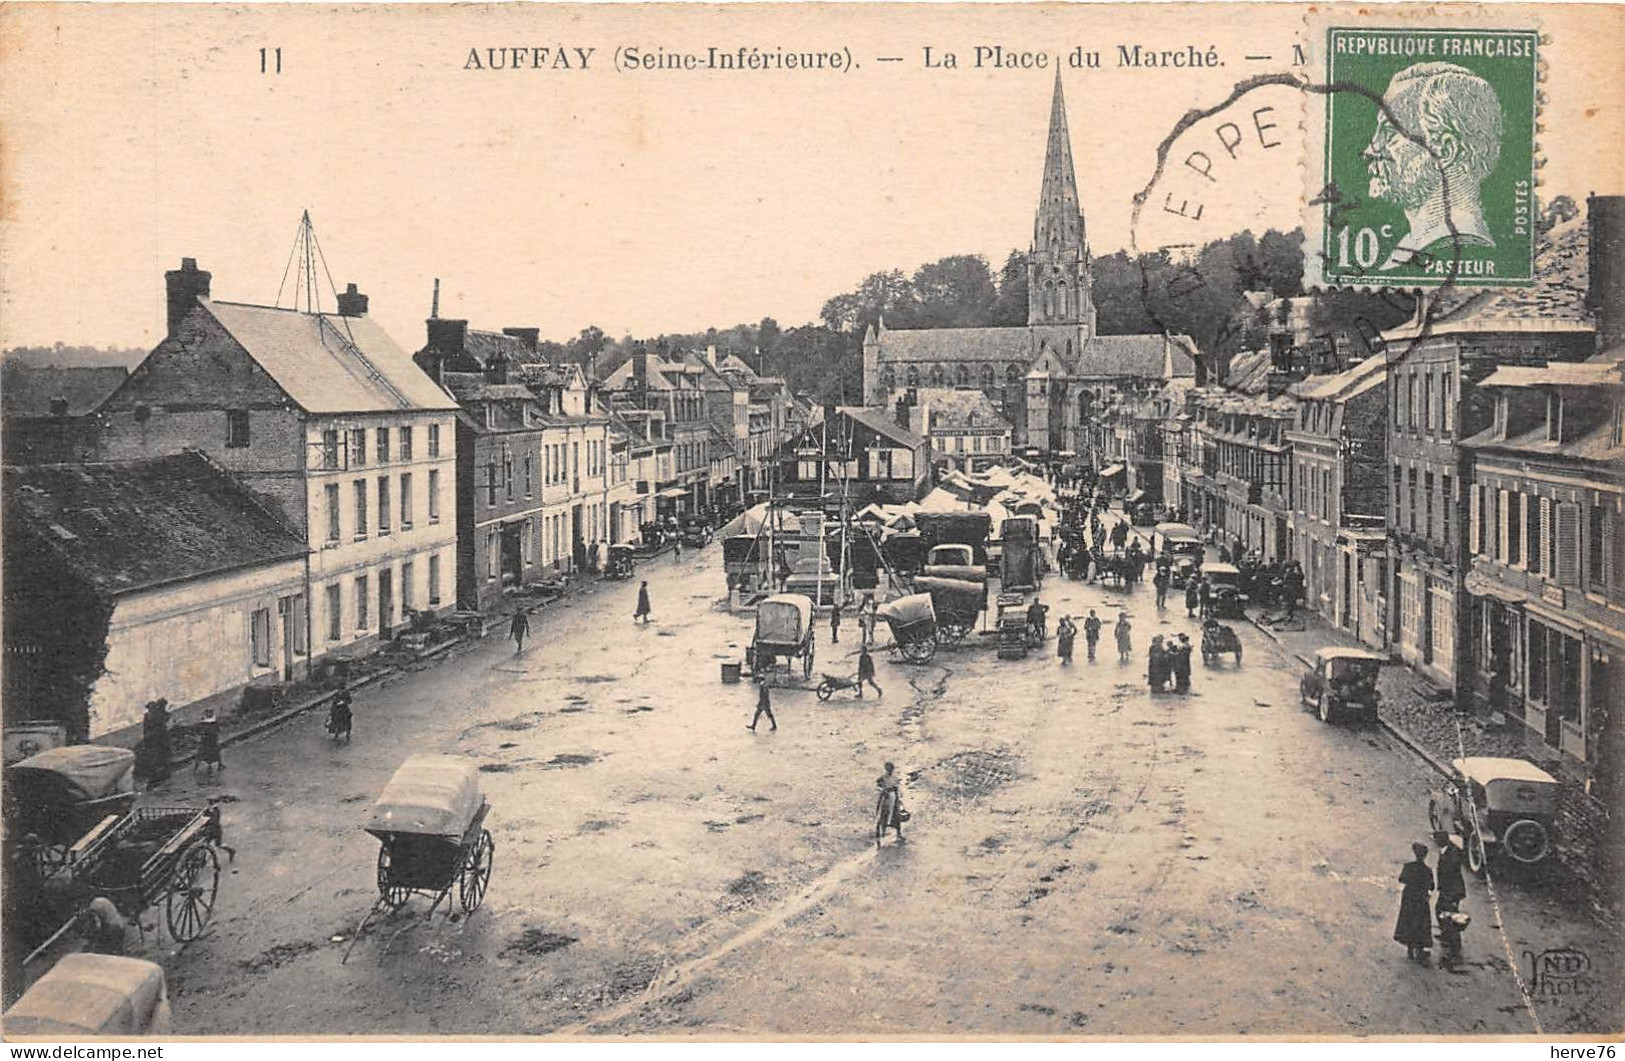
(1058, 261)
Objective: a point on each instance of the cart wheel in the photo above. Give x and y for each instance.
(476, 875)
(1325, 706)
(393, 895)
(192, 891)
(924, 650)
(825, 689)
(1477, 856)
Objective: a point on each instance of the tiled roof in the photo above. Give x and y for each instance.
(330, 364)
(952, 409)
(133, 525)
(28, 391)
(1145, 356)
(1249, 370)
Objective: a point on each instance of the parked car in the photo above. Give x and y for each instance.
(1228, 598)
(1497, 805)
(697, 532)
(1341, 682)
(1182, 546)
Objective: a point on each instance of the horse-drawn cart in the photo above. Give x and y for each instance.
(61, 794)
(152, 856)
(957, 604)
(913, 622)
(430, 824)
(784, 627)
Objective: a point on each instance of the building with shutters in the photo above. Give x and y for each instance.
(1436, 365)
(1546, 536)
(329, 421)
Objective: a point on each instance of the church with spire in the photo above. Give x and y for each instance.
(1055, 373)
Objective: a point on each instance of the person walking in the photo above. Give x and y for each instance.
(676, 549)
(1412, 927)
(518, 629)
(1091, 633)
(1160, 580)
(889, 807)
(643, 611)
(866, 672)
(1066, 632)
(1204, 596)
(1452, 890)
(764, 706)
(208, 744)
(1156, 665)
(155, 741)
(1125, 640)
(1193, 598)
(835, 622)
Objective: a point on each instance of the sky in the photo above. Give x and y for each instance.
(639, 200)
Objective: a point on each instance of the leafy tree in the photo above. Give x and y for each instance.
(954, 292)
(1010, 307)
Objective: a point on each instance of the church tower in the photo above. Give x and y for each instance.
(1058, 287)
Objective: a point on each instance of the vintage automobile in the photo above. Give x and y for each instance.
(1341, 682)
(697, 532)
(1497, 804)
(1180, 543)
(94, 994)
(1225, 581)
(621, 564)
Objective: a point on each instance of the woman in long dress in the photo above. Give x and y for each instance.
(1414, 927)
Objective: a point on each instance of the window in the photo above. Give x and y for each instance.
(434, 441)
(335, 613)
(1411, 481)
(527, 553)
(406, 443)
(1492, 524)
(332, 512)
(1427, 399)
(363, 603)
(1427, 502)
(360, 509)
(1537, 662)
(358, 447)
(1414, 417)
(383, 504)
(507, 472)
(1566, 544)
(408, 573)
(1531, 531)
(490, 483)
(1446, 504)
(434, 577)
(330, 449)
(382, 442)
(1514, 520)
(434, 495)
(492, 554)
(236, 428)
(406, 501)
(259, 636)
(1597, 535)
(527, 475)
(295, 606)
(1447, 407)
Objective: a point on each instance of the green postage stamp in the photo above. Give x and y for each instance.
(1428, 171)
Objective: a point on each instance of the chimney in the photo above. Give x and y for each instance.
(531, 337)
(433, 365)
(184, 287)
(448, 337)
(352, 303)
(1605, 289)
(59, 407)
(640, 367)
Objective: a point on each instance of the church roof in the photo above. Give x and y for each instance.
(956, 344)
(1146, 356)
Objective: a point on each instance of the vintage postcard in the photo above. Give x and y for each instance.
(786, 521)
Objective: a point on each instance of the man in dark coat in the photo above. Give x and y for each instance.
(518, 629)
(1180, 658)
(1193, 598)
(1452, 890)
(1160, 580)
(155, 741)
(1413, 927)
(866, 672)
(1204, 594)
(1091, 633)
(643, 603)
(764, 706)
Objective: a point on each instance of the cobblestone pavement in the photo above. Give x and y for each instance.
(1083, 858)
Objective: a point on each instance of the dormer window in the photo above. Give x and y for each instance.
(527, 415)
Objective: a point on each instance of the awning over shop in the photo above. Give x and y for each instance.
(1108, 472)
(672, 491)
(1137, 495)
(1479, 586)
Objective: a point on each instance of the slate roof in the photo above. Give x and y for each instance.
(330, 364)
(733, 364)
(957, 344)
(881, 424)
(1349, 383)
(1554, 303)
(484, 345)
(1249, 371)
(622, 376)
(28, 391)
(1147, 356)
(134, 525)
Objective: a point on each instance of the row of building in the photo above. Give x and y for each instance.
(272, 486)
(1452, 488)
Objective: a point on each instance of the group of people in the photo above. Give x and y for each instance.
(1169, 660)
(1415, 928)
(1066, 635)
(154, 756)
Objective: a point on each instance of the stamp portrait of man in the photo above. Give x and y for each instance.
(1438, 138)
